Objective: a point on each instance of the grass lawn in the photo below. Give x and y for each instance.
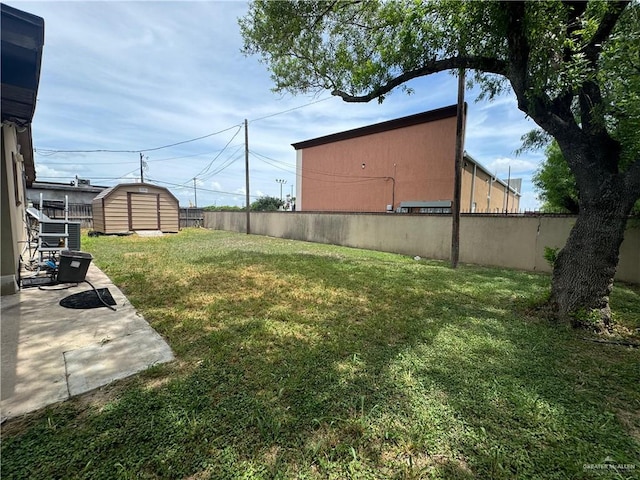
(299, 360)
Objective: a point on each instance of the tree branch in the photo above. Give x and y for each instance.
(518, 44)
(607, 24)
(574, 12)
(486, 64)
(553, 115)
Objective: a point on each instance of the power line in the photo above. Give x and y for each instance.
(203, 171)
(230, 161)
(262, 159)
(187, 156)
(46, 152)
(49, 152)
(291, 109)
(235, 194)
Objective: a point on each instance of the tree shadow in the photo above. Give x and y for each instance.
(337, 367)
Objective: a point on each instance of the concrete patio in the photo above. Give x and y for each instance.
(51, 353)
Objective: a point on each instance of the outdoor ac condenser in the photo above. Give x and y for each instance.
(52, 229)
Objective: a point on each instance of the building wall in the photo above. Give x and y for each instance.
(488, 194)
(116, 214)
(356, 174)
(169, 214)
(12, 209)
(76, 195)
(504, 241)
(98, 217)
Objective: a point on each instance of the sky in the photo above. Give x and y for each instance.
(130, 77)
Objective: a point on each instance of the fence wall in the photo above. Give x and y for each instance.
(77, 213)
(190, 217)
(504, 241)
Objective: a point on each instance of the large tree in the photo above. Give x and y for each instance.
(555, 183)
(574, 68)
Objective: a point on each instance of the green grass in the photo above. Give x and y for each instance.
(298, 360)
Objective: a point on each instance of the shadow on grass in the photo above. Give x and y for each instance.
(303, 365)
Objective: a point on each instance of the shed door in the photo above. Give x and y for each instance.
(144, 211)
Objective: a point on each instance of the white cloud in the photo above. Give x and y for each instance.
(529, 201)
(137, 75)
(501, 166)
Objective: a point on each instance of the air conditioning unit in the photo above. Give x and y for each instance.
(51, 231)
(83, 182)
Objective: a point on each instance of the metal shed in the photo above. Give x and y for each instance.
(131, 207)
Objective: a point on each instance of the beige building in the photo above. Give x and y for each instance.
(403, 165)
(22, 43)
(130, 207)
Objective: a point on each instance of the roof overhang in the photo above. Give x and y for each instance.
(22, 43)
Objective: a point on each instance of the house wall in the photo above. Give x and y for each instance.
(504, 241)
(12, 210)
(355, 175)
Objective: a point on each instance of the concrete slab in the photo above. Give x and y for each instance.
(50, 353)
(149, 233)
(99, 364)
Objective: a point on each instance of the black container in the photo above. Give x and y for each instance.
(73, 266)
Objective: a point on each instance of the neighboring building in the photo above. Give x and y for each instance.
(130, 207)
(77, 192)
(403, 165)
(21, 51)
(76, 197)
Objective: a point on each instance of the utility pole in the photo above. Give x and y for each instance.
(246, 167)
(506, 210)
(457, 183)
(281, 181)
(195, 193)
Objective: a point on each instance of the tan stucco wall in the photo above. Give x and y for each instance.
(13, 210)
(478, 192)
(511, 242)
(419, 157)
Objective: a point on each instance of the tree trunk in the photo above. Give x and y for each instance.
(584, 269)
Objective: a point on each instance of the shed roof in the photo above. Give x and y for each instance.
(111, 190)
(417, 119)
